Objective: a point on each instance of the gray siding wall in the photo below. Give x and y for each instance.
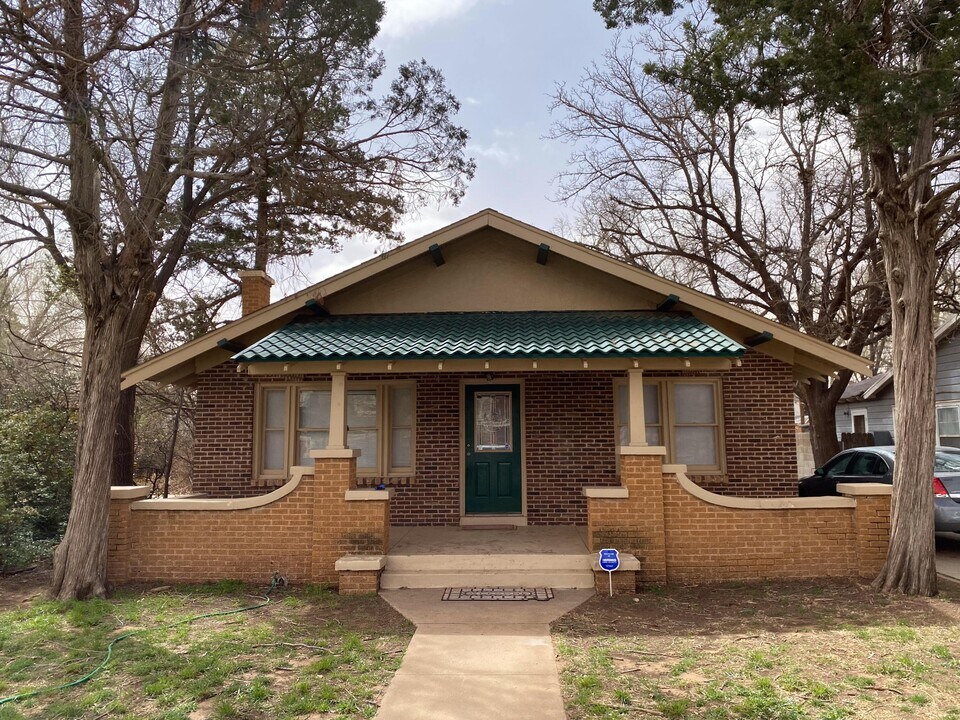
(948, 370)
(879, 414)
(880, 410)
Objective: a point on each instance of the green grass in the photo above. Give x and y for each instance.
(837, 653)
(309, 652)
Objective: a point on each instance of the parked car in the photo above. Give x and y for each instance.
(875, 464)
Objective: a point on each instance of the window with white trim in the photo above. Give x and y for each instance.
(948, 424)
(682, 414)
(293, 419)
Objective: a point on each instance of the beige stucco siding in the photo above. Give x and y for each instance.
(490, 270)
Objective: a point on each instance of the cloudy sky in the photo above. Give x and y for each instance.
(502, 59)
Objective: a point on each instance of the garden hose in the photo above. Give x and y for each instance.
(124, 636)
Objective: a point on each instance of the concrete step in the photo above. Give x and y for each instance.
(507, 562)
(561, 579)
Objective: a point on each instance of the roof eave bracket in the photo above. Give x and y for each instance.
(543, 252)
(316, 307)
(668, 303)
(758, 339)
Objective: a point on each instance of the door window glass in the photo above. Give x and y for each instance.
(493, 421)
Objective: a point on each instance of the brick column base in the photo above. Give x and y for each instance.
(624, 582)
(120, 541)
(348, 522)
(359, 582)
(634, 523)
(871, 521)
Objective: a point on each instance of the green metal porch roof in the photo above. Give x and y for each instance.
(483, 335)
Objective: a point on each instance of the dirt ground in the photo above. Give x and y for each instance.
(19, 588)
(765, 651)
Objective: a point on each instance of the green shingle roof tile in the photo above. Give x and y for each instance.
(493, 335)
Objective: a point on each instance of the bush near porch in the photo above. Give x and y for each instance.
(764, 651)
(309, 653)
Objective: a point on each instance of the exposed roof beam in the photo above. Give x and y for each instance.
(316, 307)
(758, 339)
(231, 345)
(437, 254)
(543, 252)
(668, 304)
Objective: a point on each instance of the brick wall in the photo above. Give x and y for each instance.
(759, 430)
(569, 443)
(223, 434)
(300, 535)
(681, 538)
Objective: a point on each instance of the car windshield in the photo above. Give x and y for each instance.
(946, 462)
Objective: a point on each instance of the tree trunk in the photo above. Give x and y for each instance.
(822, 408)
(125, 449)
(80, 561)
(909, 249)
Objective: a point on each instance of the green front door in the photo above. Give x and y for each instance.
(492, 423)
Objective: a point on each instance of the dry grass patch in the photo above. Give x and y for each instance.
(783, 651)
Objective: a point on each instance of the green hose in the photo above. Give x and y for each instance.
(99, 668)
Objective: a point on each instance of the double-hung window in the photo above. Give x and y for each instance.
(293, 419)
(948, 424)
(683, 414)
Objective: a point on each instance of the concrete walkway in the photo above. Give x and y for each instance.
(477, 660)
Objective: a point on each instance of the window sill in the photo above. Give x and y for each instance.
(369, 481)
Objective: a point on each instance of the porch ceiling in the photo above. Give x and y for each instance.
(468, 336)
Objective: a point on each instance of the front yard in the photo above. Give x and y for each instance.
(310, 653)
(785, 651)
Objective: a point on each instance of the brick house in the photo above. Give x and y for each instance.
(488, 374)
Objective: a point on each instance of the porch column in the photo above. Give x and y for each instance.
(337, 439)
(638, 429)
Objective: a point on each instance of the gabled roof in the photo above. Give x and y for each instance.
(882, 380)
(812, 356)
(858, 390)
(482, 335)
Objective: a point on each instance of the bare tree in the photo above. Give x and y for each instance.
(119, 136)
(764, 210)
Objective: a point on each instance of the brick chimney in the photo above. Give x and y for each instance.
(254, 290)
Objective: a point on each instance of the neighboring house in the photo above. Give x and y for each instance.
(867, 406)
(497, 375)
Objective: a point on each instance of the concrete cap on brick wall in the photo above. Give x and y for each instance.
(628, 563)
(643, 450)
(128, 492)
(606, 492)
(335, 453)
(864, 489)
(360, 563)
(386, 494)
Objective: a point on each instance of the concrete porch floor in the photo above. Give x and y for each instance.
(531, 539)
(531, 556)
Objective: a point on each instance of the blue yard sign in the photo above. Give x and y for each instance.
(609, 561)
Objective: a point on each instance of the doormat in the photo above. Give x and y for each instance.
(498, 593)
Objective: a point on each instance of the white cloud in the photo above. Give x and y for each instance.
(406, 17)
(494, 151)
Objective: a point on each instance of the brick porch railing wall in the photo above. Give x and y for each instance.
(301, 533)
(680, 537)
